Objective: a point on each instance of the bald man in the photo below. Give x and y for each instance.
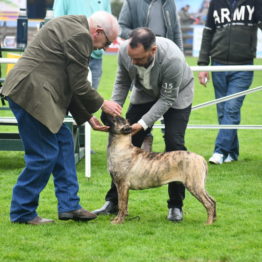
(49, 81)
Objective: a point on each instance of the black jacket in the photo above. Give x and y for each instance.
(230, 36)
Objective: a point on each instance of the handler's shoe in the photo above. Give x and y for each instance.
(78, 215)
(38, 221)
(216, 159)
(175, 214)
(108, 208)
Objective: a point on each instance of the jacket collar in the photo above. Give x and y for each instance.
(154, 74)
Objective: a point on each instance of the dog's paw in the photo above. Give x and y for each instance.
(117, 220)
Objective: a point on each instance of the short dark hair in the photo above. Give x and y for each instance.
(144, 36)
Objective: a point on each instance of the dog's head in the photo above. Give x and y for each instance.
(118, 124)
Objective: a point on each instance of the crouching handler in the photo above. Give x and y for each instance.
(48, 81)
(162, 85)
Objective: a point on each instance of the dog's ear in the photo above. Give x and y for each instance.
(126, 129)
(106, 119)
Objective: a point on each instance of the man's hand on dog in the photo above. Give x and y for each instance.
(112, 108)
(136, 128)
(96, 124)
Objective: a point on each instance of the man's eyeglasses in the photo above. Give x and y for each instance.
(108, 42)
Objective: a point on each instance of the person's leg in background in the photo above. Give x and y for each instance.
(220, 88)
(176, 121)
(134, 114)
(229, 113)
(95, 66)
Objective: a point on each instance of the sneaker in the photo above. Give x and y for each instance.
(108, 208)
(229, 159)
(216, 159)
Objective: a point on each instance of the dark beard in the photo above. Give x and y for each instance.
(149, 62)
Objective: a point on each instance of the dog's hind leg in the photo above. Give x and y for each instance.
(210, 205)
(214, 203)
(208, 202)
(122, 191)
(196, 186)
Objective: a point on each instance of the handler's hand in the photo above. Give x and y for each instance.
(203, 78)
(96, 125)
(111, 108)
(136, 128)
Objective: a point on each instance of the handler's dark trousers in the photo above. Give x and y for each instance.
(45, 153)
(175, 126)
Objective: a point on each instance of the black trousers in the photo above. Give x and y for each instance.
(175, 127)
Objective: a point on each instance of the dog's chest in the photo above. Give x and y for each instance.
(118, 160)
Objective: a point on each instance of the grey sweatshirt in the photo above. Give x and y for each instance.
(171, 81)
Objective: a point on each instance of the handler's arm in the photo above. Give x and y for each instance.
(258, 12)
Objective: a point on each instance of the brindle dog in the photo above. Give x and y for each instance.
(134, 168)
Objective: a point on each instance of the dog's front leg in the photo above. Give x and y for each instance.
(122, 191)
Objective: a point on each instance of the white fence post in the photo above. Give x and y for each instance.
(87, 150)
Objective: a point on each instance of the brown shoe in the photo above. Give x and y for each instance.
(39, 221)
(78, 215)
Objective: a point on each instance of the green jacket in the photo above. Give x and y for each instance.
(51, 76)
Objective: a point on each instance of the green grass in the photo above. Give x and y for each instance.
(147, 235)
